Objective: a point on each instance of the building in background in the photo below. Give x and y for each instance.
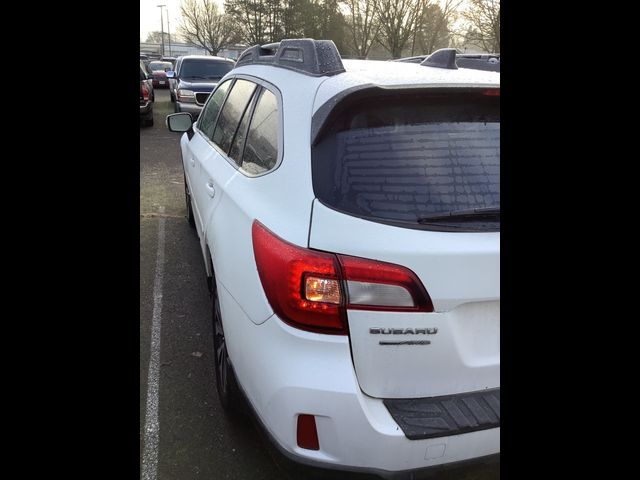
(173, 50)
(154, 50)
(232, 51)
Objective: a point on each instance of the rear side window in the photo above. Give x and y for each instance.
(231, 113)
(241, 135)
(398, 159)
(261, 149)
(207, 119)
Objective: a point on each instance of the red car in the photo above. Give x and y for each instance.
(158, 69)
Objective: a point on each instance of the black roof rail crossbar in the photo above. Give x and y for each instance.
(304, 55)
(443, 58)
(491, 64)
(448, 58)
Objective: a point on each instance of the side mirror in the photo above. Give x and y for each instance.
(179, 122)
(171, 74)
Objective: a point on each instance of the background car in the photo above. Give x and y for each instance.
(159, 70)
(146, 97)
(195, 77)
(172, 60)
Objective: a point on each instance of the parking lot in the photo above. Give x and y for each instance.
(194, 438)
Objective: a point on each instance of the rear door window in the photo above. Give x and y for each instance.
(404, 158)
(207, 119)
(237, 145)
(232, 111)
(261, 148)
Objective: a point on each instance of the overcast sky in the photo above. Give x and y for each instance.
(150, 15)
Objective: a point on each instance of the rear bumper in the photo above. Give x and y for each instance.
(313, 374)
(487, 467)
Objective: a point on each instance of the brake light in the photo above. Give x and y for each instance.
(312, 290)
(296, 280)
(145, 91)
(491, 92)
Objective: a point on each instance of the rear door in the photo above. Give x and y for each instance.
(200, 151)
(390, 174)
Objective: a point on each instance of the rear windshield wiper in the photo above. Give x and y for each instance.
(471, 213)
(196, 76)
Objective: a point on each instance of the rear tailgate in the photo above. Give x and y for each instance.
(462, 275)
(382, 169)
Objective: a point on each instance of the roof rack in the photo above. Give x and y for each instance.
(303, 55)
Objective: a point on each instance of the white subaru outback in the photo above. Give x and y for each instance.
(349, 214)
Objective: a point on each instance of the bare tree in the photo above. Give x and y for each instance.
(252, 16)
(362, 25)
(398, 20)
(484, 24)
(204, 26)
(433, 30)
(156, 37)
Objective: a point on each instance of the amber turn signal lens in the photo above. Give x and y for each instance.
(324, 290)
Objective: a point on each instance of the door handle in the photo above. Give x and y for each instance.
(211, 190)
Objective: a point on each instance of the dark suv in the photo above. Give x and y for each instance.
(146, 97)
(194, 79)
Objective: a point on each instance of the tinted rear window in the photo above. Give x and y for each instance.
(204, 69)
(398, 158)
(162, 66)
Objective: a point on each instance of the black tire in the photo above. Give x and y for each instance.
(187, 197)
(147, 120)
(226, 383)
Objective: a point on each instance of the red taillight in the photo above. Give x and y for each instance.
(145, 91)
(284, 269)
(311, 290)
(307, 435)
(375, 285)
(491, 92)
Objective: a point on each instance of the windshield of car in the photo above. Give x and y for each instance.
(204, 69)
(405, 159)
(162, 66)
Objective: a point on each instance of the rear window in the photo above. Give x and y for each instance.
(162, 66)
(402, 158)
(203, 69)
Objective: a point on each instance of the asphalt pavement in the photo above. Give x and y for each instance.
(195, 439)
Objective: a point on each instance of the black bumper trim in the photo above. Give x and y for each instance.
(432, 417)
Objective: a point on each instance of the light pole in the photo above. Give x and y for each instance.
(161, 27)
(169, 33)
